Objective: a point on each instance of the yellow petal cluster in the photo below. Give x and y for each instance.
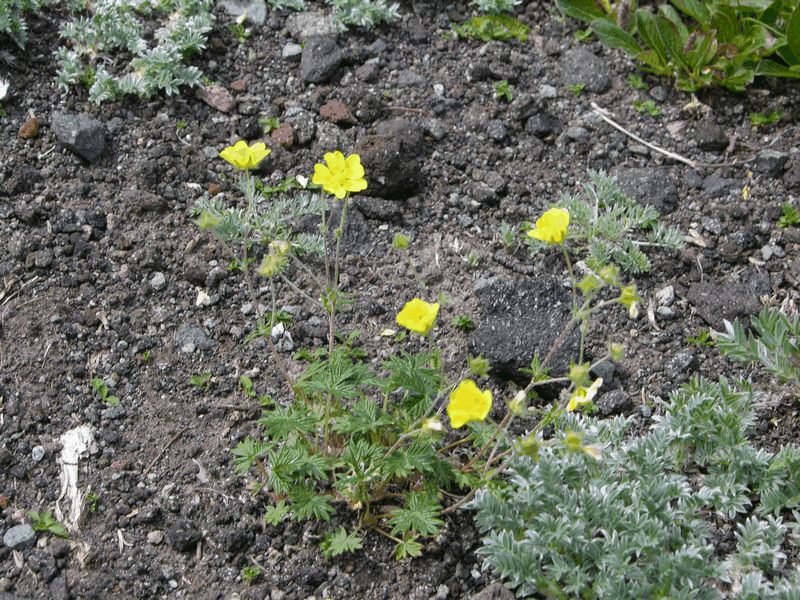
(583, 396)
(340, 174)
(551, 227)
(418, 316)
(244, 157)
(468, 403)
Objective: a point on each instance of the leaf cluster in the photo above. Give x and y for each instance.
(701, 43)
(45, 521)
(160, 51)
(364, 13)
(335, 443)
(637, 522)
(12, 22)
(490, 27)
(613, 228)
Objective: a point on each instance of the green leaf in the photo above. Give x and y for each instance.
(339, 542)
(770, 68)
(583, 10)
(282, 421)
(308, 504)
(420, 515)
(793, 32)
(245, 454)
(613, 35)
(274, 515)
(45, 521)
(363, 419)
(409, 548)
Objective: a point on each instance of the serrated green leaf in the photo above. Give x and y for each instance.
(583, 10)
(274, 515)
(420, 515)
(339, 542)
(409, 548)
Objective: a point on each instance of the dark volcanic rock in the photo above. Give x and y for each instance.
(183, 537)
(715, 302)
(710, 136)
(581, 66)
(80, 134)
(391, 172)
(649, 185)
(520, 319)
(321, 58)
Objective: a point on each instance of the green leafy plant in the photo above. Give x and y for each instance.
(363, 13)
(613, 227)
(582, 35)
(159, 57)
(790, 216)
(92, 502)
(502, 89)
(759, 119)
(637, 83)
(495, 7)
(654, 499)
(251, 573)
(239, 31)
(700, 43)
(772, 343)
(12, 22)
(576, 89)
(201, 380)
(339, 542)
(45, 521)
(493, 27)
(269, 124)
(646, 106)
(101, 389)
(703, 338)
(463, 322)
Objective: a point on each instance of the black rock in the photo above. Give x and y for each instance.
(379, 209)
(543, 125)
(495, 591)
(710, 136)
(615, 402)
(391, 172)
(249, 128)
(771, 162)
(183, 537)
(80, 134)
(649, 185)
(520, 319)
(22, 179)
(715, 302)
(581, 66)
(321, 58)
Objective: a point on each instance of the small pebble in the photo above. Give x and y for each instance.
(37, 453)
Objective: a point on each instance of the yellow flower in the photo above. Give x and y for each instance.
(629, 299)
(468, 403)
(583, 396)
(207, 220)
(341, 175)
(243, 157)
(418, 315)
(551, 227)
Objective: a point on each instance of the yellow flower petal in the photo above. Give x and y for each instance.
(418, 316)
(468, 403)
(552, 226)
(242, 156)
(341, 175)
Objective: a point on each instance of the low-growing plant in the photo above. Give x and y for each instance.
(759, 119)
(772, 342)
(503, 90)
(12, 22)
(492, 27)
(463, 322)
(701, 44)
(495, 7)
(160, 53)
(647, 106)
(633, 518)
(576, 89)
(703, 338)
(201, 380)
(45, 521)
(102, 391)
(637, 83)
(251, 573)
(790, 216)
(364, 13)
(269, 124)
(611, 227)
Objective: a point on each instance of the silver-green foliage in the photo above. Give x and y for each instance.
(11, 18)
(495, 7)
(287, 4)
(114, 27)
(612, 227)
(773, 342)
(364, 13)
(638, 522)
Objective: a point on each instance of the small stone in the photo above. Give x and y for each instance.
(19, 537)
(320, 60)
(309, 24)
(249, 128)
(710, 136)
(495, 591)
(658, 93)
(239, 85)
(158, 281)
(442, 592)
(283, 135)
(581, 66)
(188, 334)
(547, 92)
(409, 78)
(665, 296)
(255, 10)
(338, 113)
(80, 134)
(766, 252)
(577, 134)
(217, 97)
(543, 125)
(183, 537)
(292, 52)
(37, 453)
(29, 128)
(155, 537)
(496, 130)
(214, 189)
(615, 402)
(771, 162)
(368, 72)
